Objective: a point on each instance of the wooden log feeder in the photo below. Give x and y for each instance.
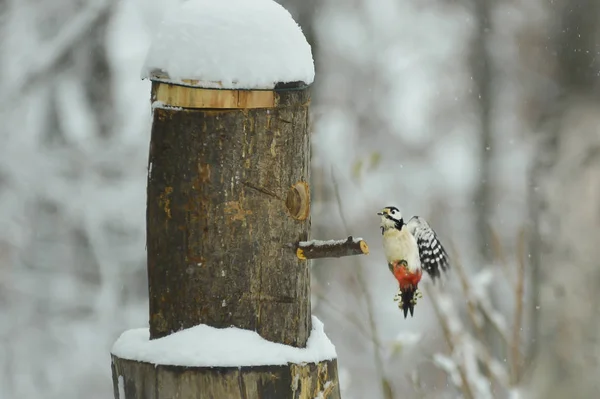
(228, 225)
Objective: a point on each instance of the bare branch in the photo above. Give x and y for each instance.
(53, 53)
(499, 253)
(316, 249)
(495, 319)
(445, 324)
(385, 384)
(483, 305)
(338, 200)
(516, 336)
(473, 312)
(350, 318)
(474, 315)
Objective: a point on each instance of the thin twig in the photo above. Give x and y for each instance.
(472, 312)
(54, 52)
(355, 322)
(385, 385)
(483, 307)
(466, 388)
(516, 336)
(338, 200)
(375, 335)
(415, 382)
(488, 313)
(471, 304)
(492, 364)
(499, 254)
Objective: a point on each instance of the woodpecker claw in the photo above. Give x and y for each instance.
(418, 295)
(398, 296)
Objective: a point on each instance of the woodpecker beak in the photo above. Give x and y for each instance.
(383, 212)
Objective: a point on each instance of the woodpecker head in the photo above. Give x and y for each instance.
(391, 218)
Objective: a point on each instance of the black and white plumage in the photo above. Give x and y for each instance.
(414, 242)
(409, 249)
(433, 255)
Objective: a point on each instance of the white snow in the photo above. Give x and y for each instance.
(449, 366)
(247, 44)
(479, 383)
(321, 243)
(163, 105)
(326, 387)
(481, 284)
(121, 387)
(407, 338)
(205, 346)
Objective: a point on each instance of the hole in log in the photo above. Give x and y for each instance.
(298, 201)
(290, 85)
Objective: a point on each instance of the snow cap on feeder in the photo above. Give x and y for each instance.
(229, 44)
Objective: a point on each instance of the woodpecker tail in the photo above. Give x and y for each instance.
(408, 300)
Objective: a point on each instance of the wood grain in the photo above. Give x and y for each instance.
(197, 97)
(146, 381)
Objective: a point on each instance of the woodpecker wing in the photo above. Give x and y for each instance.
(434, 258)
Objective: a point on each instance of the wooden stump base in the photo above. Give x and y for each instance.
(140, 380)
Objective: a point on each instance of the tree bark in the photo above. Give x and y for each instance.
(145, 381)
(216, 243)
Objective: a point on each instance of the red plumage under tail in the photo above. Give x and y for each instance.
(408, 285)
(408, 300)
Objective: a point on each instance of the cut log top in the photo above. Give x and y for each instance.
(187, 95)
(316, 249)
(195, 97)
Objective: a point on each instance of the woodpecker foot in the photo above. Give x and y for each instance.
(418, 295)
(398, 295)
(398, 298)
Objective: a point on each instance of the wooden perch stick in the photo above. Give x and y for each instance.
(316, 249)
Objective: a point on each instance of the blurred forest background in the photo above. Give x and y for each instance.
(480, 115)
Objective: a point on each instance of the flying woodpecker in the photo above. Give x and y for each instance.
(409, 249)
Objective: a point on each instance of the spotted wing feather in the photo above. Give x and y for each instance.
(434, 258)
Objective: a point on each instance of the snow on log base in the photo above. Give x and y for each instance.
(205, 346)
(230, 44)
(207, 362)
(315, 249)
